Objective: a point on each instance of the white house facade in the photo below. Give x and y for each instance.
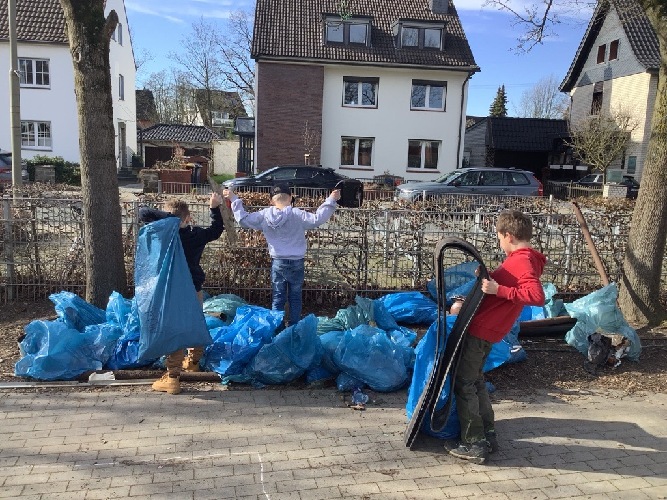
(414, 140)
(49, 124)
(380, 88)
(615, 72)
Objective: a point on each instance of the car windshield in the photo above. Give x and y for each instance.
(448, 176)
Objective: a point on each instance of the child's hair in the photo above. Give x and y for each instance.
(177, 207)
(515, 223)
(284, 198)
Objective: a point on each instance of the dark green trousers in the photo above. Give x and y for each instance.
(472, 399)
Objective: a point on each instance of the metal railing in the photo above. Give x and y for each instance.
(569, 190)
(380, 248)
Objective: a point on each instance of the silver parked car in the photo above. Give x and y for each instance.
(474, 180)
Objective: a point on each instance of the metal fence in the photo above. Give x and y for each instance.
(380, 248)
(569, 190)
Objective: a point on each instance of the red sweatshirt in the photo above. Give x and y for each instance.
(519, 285)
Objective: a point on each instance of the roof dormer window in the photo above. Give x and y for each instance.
(419, 35)
(351, 31)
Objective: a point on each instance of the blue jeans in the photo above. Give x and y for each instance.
(287, 281)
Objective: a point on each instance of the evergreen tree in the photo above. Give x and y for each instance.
(499, 104)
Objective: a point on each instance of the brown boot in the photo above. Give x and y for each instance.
(189, 364)
(170, 385)
(191, 361)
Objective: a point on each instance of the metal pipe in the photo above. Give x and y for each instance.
(604, 278)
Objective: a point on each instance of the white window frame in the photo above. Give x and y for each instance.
(36, 139)
(356, 152)
(360, 81)
(422, 160)
(121, 87)
(428, 85)
(33, 68)
(119, 37)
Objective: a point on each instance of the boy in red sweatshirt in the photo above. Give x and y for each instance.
(516, 283)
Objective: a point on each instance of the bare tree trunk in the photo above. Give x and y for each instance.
(639, 296)
(89, 34)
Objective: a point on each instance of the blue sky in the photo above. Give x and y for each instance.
(159, 25)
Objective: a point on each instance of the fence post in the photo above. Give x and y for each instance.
(9, 247)
(159, 186)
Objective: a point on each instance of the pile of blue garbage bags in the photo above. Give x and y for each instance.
(367, 344)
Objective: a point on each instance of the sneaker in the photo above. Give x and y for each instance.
(189, 364)
(170, 385)
(476, 453)
(491, 441)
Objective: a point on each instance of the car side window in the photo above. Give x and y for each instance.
(284, 174)
(305, 173)
(518, 179)
(468, 179)
(492, 179)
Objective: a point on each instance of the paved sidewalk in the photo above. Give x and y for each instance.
(306, 444)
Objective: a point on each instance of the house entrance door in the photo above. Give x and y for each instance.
(122, 146)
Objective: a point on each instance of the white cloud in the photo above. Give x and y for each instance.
(184, 11)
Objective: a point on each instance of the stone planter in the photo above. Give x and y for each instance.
(149, 178)
(614, 191)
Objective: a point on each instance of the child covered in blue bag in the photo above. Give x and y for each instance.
(193, 239)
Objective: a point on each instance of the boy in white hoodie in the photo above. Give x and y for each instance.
(284, 228)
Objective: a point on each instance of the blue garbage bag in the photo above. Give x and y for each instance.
(76, 312)
(346, 382)
(364, 312)
(224, 305)
(123, 313)
(318, 374)
(552, 307)
(170, 314)
(289, 355)
(598, 311)
(330, 341)
(55, 351)
(125, 355)
(368, 354)
(425, 357)
(212, 322)
(458, 280)
(361, 313)
(236, 344)
(411, 308)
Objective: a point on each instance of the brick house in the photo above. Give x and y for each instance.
(49, 123)
(380, 87)
(616, 68)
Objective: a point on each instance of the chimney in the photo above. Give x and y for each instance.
(439, 6)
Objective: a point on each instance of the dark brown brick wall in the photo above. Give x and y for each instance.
(288, 95)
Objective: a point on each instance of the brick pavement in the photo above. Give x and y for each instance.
(305, 444)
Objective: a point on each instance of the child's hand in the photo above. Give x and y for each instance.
(215, 200)
(335, 194)
(490, 287)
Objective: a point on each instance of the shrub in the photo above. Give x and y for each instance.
(66, 171)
